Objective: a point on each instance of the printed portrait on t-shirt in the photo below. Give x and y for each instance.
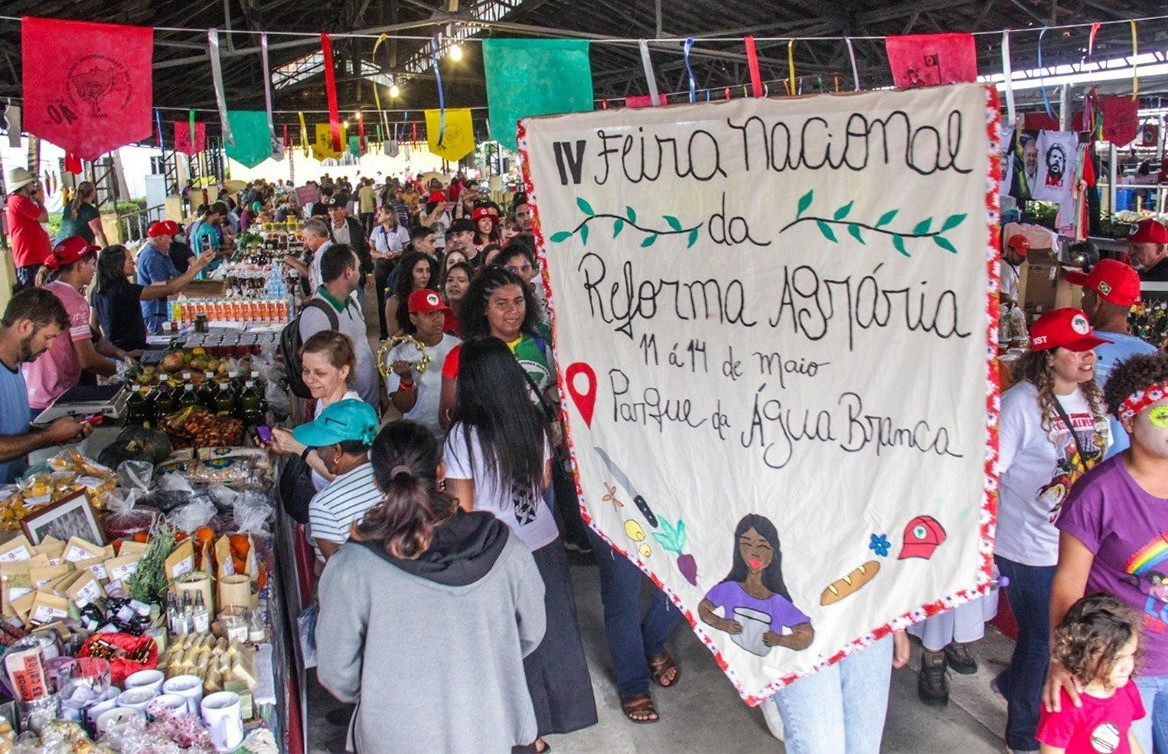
(1147, 570)
(752, 603)
(1074, 456)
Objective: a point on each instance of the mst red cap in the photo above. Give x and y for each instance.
(1019, 244)
(1149, 231)
(161, 228)
(1115, 282)
(484, 211)
(1063, 328)
(69, 251)
(425, 301)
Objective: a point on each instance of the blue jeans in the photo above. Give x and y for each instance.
(1154, 727)
(1021, 681)
(631, 638)
(840, 709)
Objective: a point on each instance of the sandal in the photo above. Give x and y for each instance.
(664, 670)
(639, 708)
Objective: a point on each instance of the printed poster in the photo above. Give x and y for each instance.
(774, 323)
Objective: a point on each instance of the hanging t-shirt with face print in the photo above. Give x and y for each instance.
(1038, 469)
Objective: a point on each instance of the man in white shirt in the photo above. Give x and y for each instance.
(415, 393)
(316, 241)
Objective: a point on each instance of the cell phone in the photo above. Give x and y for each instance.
(264, 433)
(94, 419)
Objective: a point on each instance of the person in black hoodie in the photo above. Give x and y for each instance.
(426, 602)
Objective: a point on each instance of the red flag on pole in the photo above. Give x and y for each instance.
(931, 59)
(182, 137)
(87, 87)
(330, 87)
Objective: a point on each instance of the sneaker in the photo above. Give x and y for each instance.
(932, 685)
(958, 657)
(774, 720)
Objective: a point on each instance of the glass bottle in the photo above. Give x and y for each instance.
(136, 407)
(163, 398)
(251, 406)
(188, 397)
(208, 391)
(225, 399)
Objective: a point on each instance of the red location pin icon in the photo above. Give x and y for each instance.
(586, 399)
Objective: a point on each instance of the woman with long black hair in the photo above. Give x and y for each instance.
(117, 302)
(415, 272)
(421, 597)
(498, 458)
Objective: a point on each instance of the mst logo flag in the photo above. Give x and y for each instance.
(87, 86)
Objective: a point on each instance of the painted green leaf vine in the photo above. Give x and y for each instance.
(882, 226)
(627, 220)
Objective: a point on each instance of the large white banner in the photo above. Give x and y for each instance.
(774, 324)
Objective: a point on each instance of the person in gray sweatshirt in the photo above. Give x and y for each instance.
(427, 613)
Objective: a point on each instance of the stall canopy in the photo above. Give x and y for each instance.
(717, 58)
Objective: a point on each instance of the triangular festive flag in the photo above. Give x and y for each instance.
(354, 146)
(182, 137)
(931, 59)
(87, 87)
(253, 141)
(457, 140)
(527, 77)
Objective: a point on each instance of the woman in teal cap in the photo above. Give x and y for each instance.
(342, 435)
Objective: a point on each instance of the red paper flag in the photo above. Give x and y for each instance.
(73, 163)
(644, 100)
(182, 137)
(87, 87)
(931, 59)
(1121, 122)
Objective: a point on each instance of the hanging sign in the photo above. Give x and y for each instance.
(1121, 120)
(87, 87)
(322, 147)
(793, 443)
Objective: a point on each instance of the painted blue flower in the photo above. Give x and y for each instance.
(879, 545)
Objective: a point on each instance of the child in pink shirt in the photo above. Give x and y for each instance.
(1097, 643)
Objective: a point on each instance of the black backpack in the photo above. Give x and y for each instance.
(291, 343)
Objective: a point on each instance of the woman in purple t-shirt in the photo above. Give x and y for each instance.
(1114, 538)
(756, 607)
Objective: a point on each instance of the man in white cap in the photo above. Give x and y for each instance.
(26, 212)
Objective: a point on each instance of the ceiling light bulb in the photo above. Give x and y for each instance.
(393, 90)
(455, 53)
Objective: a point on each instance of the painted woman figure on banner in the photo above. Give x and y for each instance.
(753, 599)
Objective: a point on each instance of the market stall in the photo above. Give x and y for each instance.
(141, 571)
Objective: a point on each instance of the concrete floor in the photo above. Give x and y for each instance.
(704, 713)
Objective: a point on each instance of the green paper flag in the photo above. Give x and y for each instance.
(355, 146)
(527, 77)
(253, 141)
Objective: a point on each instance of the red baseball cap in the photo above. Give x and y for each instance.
(1019, 244)
(484, 211)
(160, 228)
(1063, 328)
(1149, 231)
(69, 251)
(425, 301)
(172, 228)
(1115, 282)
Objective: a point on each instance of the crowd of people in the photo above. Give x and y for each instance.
(439, 501)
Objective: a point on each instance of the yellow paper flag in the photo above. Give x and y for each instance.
(322, 147)
(457, 138)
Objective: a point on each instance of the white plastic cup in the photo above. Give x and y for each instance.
(189, 687)
(136, 699)
(223, 716)
(146, 679)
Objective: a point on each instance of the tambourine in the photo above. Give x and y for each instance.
(419, 366)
